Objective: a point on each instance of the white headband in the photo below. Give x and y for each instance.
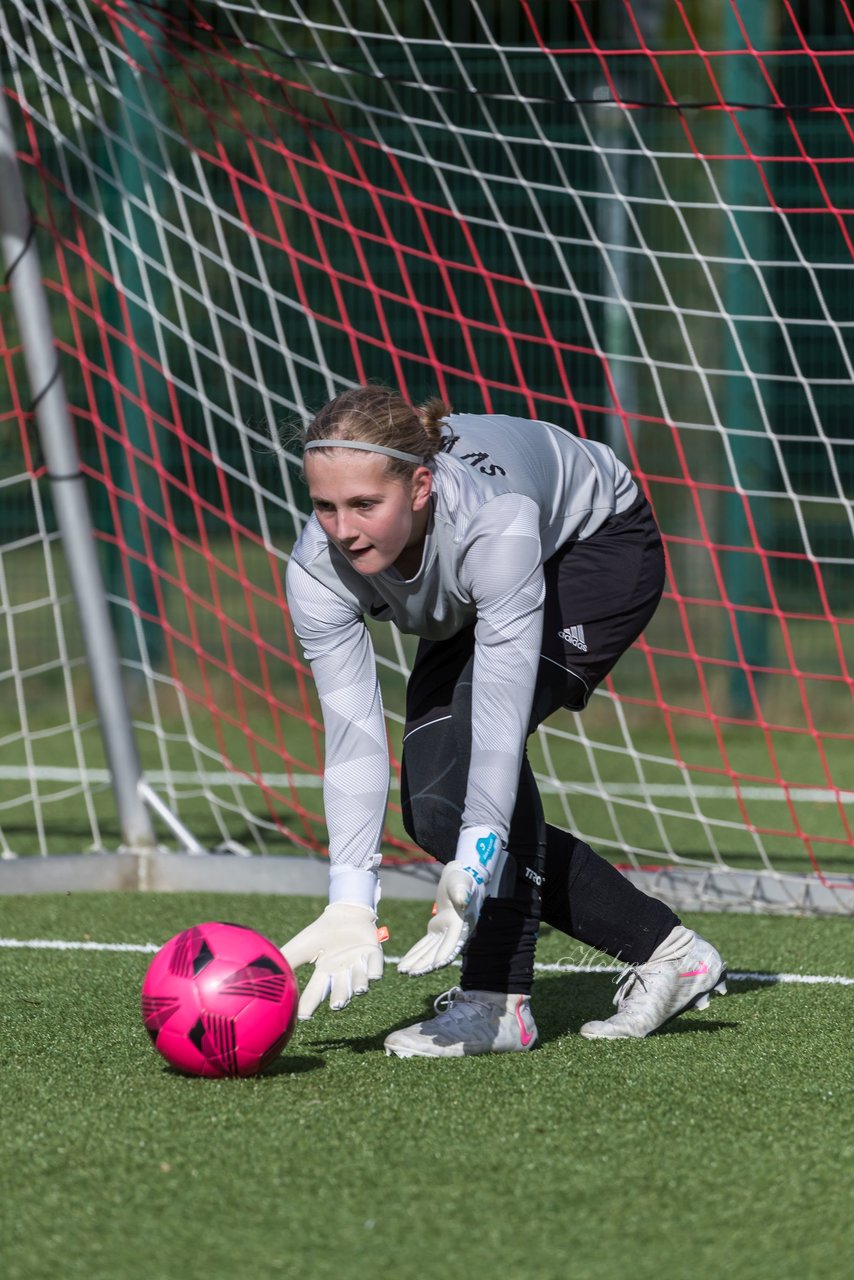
(361, 444)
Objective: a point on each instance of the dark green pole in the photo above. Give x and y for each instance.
(139, 192)
(751, 454)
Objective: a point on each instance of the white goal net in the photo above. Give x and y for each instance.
(635, 220)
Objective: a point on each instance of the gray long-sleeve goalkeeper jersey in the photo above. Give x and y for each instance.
(507, 493)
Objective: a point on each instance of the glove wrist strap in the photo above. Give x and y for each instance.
(481, 852)
(357, 885)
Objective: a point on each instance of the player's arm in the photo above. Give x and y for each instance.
(343, 943)
(503, 572)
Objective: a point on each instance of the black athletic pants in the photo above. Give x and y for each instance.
(600, 594)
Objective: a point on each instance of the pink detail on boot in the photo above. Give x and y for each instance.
(695, 973)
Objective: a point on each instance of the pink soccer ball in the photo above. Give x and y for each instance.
(219, 1000)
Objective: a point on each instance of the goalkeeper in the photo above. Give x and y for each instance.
(527, 562)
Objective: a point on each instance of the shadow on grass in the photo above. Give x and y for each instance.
(283, 1066)
(288, 1065)
(563, 1002)
(680, 1027)
(357, 1044)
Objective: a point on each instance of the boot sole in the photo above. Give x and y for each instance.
(414, 1053)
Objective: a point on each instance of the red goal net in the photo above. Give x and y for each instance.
(635, 220)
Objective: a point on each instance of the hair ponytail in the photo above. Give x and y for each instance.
(432, 414)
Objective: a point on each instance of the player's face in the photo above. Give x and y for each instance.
(376, 520)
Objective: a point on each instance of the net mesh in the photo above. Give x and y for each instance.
(634, 220)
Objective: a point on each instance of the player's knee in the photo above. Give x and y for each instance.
(578, 691)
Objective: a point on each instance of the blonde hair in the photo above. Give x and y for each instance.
(379, 416)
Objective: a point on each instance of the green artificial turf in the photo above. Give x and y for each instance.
(721, 1146)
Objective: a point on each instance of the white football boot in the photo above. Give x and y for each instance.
(682, 973)
(468, 1022)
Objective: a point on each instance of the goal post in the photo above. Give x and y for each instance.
(63, 471)
(635, 220)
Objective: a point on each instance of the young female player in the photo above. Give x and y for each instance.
(527, 562)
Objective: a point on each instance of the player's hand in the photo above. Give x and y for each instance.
(343, 945)
(460, 895)
(459, 899)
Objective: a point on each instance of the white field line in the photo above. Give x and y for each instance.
(563, 966)
(643, 790)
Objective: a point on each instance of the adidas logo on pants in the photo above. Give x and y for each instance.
(574, 635)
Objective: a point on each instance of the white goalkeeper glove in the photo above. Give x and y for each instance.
(344, 946)
(460, 895)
